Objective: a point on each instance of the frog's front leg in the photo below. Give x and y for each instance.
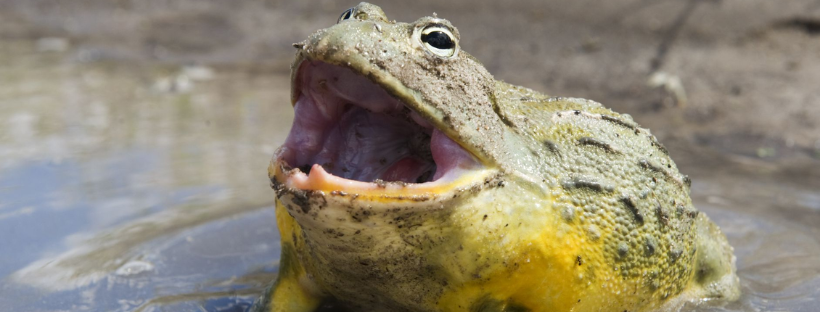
(293, 291)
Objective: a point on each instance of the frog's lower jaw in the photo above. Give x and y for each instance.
(350, 240)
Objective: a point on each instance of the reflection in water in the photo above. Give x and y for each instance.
(778, 256)
(118, 189)
(133, 188)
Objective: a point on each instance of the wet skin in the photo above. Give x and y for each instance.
(495, 198)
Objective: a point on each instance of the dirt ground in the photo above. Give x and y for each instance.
(734, 81)
(91, 90)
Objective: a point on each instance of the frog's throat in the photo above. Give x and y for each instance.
(350, 135)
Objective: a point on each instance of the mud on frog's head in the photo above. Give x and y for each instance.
(388, 110)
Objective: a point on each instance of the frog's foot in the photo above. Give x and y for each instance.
(715, 271)
(715, 275)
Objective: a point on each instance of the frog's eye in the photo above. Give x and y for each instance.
(346, 15)
(439, 40)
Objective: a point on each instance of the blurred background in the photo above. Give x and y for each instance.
(135, 134)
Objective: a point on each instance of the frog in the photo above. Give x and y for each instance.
(413, 180)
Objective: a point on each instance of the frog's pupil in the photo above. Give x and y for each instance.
(438, 40)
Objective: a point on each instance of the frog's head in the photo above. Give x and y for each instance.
(387, 112)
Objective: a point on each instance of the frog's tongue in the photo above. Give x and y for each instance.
(348, 127)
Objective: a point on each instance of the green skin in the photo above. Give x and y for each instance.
(574, 201)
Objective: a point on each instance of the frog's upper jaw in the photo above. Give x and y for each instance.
(349, 135)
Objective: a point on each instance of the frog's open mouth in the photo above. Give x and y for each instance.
(349, 133)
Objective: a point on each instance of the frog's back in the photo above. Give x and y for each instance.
(616, 188)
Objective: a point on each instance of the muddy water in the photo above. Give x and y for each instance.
(128, 187)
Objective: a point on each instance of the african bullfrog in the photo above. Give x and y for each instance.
(412, 180)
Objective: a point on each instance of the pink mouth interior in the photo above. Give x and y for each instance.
(355, 130)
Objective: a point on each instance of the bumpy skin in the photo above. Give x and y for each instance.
(578, 209)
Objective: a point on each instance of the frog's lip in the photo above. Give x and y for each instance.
(349, 135)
